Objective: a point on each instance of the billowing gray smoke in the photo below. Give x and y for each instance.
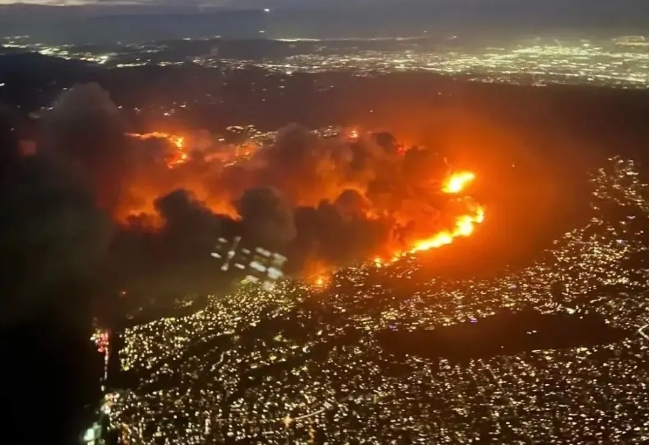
(266, 219)
(335, 200)
(85, 126)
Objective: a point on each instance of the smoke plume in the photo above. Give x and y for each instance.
(319, 200)
(53, 236)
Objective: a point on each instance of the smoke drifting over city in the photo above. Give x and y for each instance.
(321, 201)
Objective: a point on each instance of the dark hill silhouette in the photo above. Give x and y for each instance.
(504, 334)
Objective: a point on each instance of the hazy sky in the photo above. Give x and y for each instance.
(199, 3)
(586, 4)
(262, 3)
(163, 3)
(222, 3)
(327, 18)
(132, 2)
(613, 11)
(109, 2)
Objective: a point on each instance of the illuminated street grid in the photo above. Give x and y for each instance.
(538, 61)
(214, 375)
(574, 63)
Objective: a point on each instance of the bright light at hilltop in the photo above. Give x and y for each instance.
(266, 10)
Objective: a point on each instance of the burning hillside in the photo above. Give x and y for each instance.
(319, 199)
(345, 172)
(177, 156)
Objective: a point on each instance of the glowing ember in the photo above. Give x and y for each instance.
(178, 141)
(321, 280)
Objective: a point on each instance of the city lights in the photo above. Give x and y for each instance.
(321, 361)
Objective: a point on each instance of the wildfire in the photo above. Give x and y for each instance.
(319, 280)
(176, 158)
(458, 182)
(464, 224)
(464, 227)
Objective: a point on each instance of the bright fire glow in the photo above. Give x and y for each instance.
(320, 281)
(458, 182)
(464, 224)
(176, 158)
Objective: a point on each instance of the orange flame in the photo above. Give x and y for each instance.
(464, 224)
(178, 141)
(464, 227)
(458, 182)
(455, 184)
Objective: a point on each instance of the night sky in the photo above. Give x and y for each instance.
(619, 4)
(619, 10)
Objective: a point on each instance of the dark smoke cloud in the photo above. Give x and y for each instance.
(326, 235)
(85, 126)
(174, 259)
(53, 245)
(53, 238)
(324, 200)
(266, 218)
